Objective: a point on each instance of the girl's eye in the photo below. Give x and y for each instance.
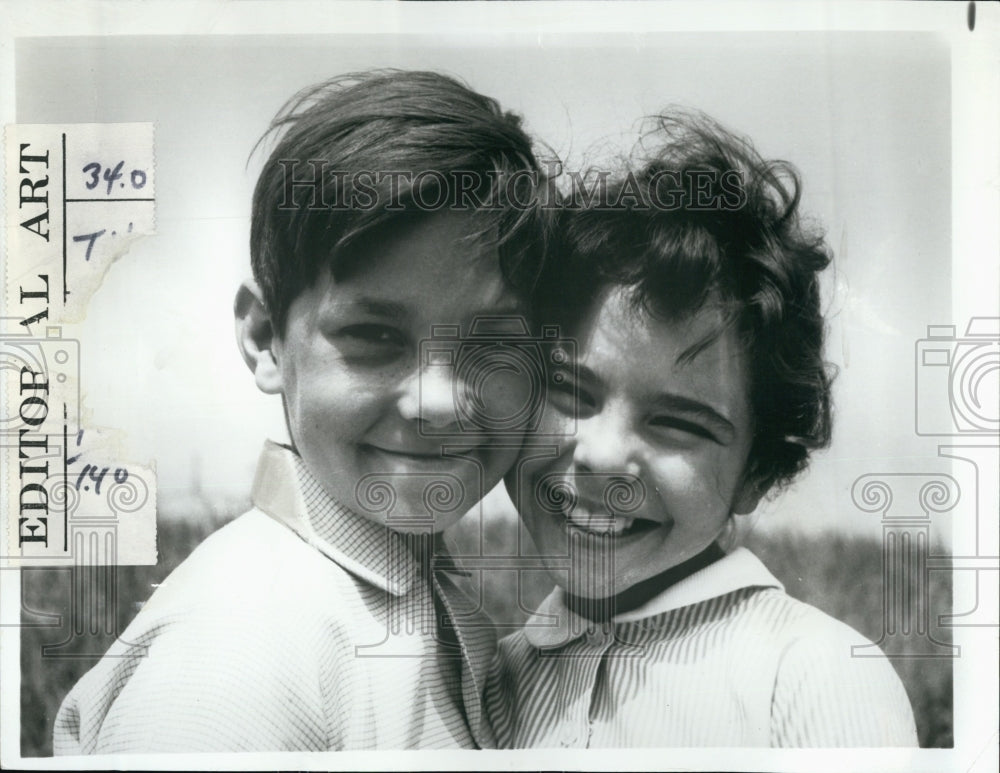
(571, 398)
(683, 428)
(585, 400)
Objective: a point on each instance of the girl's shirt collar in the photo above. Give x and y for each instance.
(555, 625)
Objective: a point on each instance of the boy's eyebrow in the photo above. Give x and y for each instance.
(380, 308)
(395, 310)
(688, 405)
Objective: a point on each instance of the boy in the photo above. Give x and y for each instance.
(322, 619)
(700, 388)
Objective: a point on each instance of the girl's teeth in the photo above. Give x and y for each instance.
(601, 524)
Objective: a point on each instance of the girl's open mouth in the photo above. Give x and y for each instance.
(607, 523)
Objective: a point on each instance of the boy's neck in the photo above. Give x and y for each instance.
(600, 610)
(422, 546)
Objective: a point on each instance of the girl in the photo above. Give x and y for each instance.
(692, 293)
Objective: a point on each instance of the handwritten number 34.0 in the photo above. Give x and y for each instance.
(137, 177)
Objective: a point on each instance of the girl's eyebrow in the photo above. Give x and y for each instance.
(692, 407)
(670, 401)
(507, 318)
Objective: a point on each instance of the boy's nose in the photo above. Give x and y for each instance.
(428, 397)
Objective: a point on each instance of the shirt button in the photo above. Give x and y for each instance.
(598, 638)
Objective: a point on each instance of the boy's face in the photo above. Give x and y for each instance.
(681, 429)
(368, 417)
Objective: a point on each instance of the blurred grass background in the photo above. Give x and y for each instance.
(840, 575)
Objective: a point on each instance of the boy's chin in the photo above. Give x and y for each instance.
(403, 525)
(416, 503)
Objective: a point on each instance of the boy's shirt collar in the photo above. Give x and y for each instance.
(284, 489)
(739, 569)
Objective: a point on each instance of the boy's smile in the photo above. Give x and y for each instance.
(362, 407)
(656, 465)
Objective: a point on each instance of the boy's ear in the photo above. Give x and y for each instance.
(256, 337)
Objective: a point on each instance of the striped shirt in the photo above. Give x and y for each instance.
(299, 626)
(722, 658)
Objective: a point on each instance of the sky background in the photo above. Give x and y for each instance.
(865, 117)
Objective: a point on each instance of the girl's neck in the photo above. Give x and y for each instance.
(633, 597)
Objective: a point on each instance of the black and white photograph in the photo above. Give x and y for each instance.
(509, 385)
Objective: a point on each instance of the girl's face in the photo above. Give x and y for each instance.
(371, 396)
(655, 466)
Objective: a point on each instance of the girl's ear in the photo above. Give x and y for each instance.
(256, 338)
(747, 498)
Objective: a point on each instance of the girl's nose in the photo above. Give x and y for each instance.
(605, 443)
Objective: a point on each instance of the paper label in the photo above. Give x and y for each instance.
(77, 197)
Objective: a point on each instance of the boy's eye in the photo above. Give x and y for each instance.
(374, 333)
(370, 340)
(682, 428)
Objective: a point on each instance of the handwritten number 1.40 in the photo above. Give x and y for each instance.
(120, 476)
(137, 177)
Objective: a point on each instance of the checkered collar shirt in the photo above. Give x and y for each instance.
(298, 626)
(374, 553)
(385, 559)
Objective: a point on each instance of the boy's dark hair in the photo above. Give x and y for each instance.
(704, 219)
(357, 132)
